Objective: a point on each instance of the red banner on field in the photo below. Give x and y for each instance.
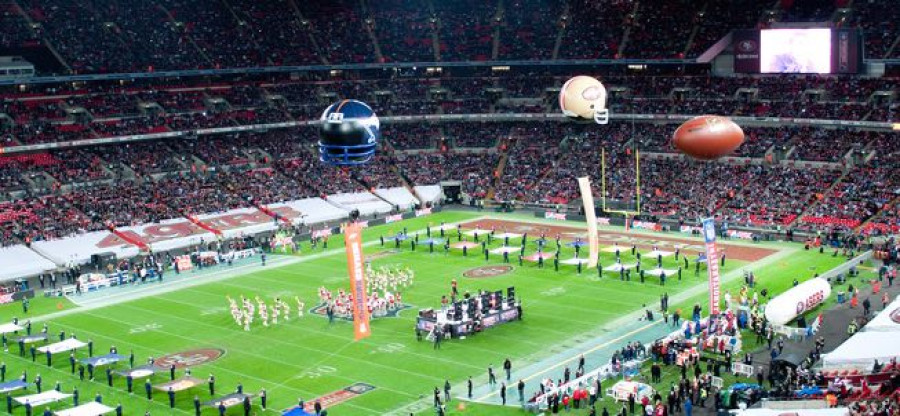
(712, 264)
(353, 240)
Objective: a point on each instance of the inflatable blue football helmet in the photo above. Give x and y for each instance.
(348, 134)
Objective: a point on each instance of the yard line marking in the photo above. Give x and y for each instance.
(124, 341)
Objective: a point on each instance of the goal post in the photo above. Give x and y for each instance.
(637, 186)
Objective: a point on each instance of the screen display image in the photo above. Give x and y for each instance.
(800, 51)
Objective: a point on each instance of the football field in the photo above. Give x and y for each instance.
(188, 321)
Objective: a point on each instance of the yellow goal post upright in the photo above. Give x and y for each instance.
(637, 187)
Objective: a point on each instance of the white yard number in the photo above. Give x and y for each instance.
(390, 348)
(318, 371)
(145, 328)
(556, 291)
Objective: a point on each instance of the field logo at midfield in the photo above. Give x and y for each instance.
(484, 272)
(337, 397)
(189, 358)
(319, 310)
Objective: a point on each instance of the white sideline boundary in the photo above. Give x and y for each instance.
(171, 286)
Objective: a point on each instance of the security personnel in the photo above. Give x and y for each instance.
(263, 398)
(109, 376)
(171, 394)
(148, 388)
(172, 372)
(81, 372)
(212, 385)
(129, 381)
(197, 405)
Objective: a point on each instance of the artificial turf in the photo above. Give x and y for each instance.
(308, 357)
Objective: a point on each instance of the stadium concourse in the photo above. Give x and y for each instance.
(158, 160)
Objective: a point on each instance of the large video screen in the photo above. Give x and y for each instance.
(795, 51)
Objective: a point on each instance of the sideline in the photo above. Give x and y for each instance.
(211, 277)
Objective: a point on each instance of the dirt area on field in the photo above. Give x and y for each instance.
(534, 230)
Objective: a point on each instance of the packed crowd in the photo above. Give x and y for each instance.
(163, 179)
(121, 36)
(86, 114)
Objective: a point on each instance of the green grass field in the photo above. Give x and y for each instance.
(307, 358)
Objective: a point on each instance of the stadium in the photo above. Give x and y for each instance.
(414, 207)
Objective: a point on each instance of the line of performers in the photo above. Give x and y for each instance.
(383, 293)
(242, 312)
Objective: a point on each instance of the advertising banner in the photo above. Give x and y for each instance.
(712, 264)
(554, 216)
(353, 242)
(746, 51)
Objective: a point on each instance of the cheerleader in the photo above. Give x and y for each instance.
(263, 314)
(299, 307)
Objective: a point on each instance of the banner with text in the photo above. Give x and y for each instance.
(712, 264)
(550, 215)
(646, 225)
(587, 197)
(353, 242)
